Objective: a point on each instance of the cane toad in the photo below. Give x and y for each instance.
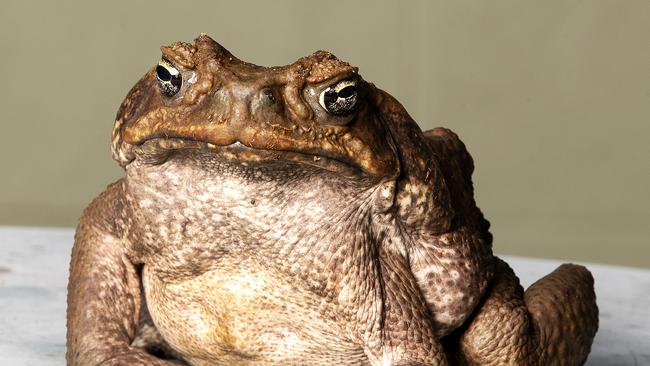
(298, 215)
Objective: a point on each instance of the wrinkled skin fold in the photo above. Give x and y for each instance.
(260, 223)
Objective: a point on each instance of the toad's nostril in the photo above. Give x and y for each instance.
(266, 100)
(267, 94)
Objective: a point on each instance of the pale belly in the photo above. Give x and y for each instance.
(238, 315)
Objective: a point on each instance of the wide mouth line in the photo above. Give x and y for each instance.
(238, 149)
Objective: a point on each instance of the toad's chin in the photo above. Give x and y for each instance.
(157, 151)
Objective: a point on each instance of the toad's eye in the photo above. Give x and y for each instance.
(341, 98)
(169, 78)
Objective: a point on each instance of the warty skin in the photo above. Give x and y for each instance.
(255, 226)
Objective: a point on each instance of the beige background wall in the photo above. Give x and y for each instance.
(551, 97)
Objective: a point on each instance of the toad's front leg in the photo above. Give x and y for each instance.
(404, 333)
(104, 295)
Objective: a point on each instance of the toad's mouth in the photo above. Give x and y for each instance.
(358, 146)
(158, 150)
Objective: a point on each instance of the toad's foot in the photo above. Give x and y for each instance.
(552, 323)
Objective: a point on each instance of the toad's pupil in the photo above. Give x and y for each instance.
(176, 81)
(330, 97)
(163, 73)
(346, 92)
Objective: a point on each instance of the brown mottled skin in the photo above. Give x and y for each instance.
(253, 227)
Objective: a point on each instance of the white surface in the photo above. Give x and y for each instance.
(33, 280)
